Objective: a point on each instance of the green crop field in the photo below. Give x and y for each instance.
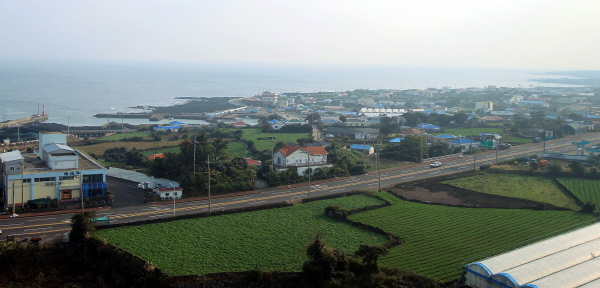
(438, 239)
(585, 189)
(271, 240)
(254, 134)
(539, 189)
(125, 135)
(235, 148)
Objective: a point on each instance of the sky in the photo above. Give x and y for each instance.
(542, 34)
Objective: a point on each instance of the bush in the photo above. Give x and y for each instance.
(82, 226)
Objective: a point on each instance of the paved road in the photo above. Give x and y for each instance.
(54, 225)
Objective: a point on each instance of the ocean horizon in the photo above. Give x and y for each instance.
(73, 91)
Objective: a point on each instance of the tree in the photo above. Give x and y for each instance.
(409, 149)
(554, 169)
(577, 168)
(322, 261)
(370, 254)
(343, 119)
(82, 226)
(439, 149)
(304, 141)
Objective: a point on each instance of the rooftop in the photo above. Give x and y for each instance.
(33, 165)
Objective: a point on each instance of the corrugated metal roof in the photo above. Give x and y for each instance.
(568, 260)
(11, 156)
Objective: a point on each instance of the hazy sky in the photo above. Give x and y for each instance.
(547, 34)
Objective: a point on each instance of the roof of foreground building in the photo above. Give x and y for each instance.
(568, 260)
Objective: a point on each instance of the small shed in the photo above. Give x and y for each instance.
(366, 149)
(169, 193)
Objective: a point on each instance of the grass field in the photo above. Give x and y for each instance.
(98, 149)
(539, 189)
(273, 239)
(125, 135)
(437, 239)
(235, 148)
(585, 190)
(253, 134)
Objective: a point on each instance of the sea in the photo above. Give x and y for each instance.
(71, 92)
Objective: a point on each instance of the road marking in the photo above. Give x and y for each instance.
(43, 228)
(42, 219)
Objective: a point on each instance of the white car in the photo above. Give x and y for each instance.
(435, 164)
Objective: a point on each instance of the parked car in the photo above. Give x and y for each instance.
(504, 146)
(435, 164)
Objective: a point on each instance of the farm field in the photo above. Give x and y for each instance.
(438, 240)
(585, 189)
(255, 133)
(270, 240)
(539, 189)
(124, 135)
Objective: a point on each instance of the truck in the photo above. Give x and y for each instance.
(149, 185)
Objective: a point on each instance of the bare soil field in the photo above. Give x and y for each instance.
(438, 193)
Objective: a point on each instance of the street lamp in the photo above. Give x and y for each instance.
(173, 198)
(273, 153)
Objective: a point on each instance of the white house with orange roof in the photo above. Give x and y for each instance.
(301, 158)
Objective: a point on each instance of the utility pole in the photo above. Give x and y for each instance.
(208, 163)
(81, 189)
(308, 151)
(421, 147)
(496, 150)
(173, 198)
(474, 153)
(378, 163)
(68, 125)
(14, 214)
(364, 154)
(194, 176)
(22, 188)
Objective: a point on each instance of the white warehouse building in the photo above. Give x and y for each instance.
(569, 260)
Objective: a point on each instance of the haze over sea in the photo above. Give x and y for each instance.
(72, 92)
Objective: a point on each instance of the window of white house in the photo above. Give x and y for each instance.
(166, 194)
(175, 193)
(12, 168)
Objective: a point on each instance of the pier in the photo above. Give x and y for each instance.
(36, 118)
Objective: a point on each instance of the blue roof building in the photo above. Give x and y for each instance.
(396, 140)
(363, 148)
(425, 126)
(445, 136)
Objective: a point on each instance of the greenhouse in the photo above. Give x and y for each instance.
(568, 260)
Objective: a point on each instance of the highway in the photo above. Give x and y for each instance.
(52, 226)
